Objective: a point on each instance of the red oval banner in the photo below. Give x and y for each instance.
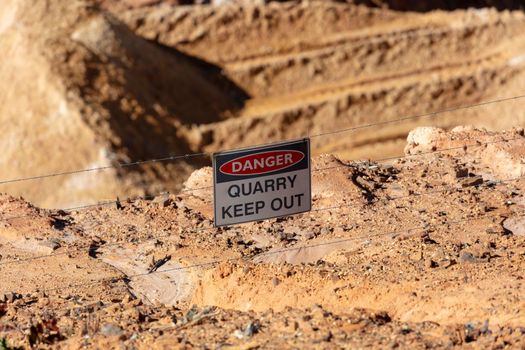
(262, 163)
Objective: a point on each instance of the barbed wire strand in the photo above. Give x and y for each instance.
(200, 154)
(171, 158)
(393, 158)
(443, 189)
(279, 251)
(146, 197)
(98, 307)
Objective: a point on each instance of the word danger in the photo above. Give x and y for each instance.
(262, 163)
(278, 184)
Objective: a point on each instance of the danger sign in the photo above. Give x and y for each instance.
(262, 182)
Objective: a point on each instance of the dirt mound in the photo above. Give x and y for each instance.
(504, 160)
(426, 250)
(89, 93)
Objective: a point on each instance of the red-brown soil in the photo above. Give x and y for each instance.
(424, 251)
(422, 245)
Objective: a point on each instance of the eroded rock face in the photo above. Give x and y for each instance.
(313, 67)
(431, 5)
(206, 78)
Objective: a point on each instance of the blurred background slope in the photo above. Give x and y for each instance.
(96, 83)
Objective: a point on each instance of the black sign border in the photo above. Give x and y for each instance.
(258, 148)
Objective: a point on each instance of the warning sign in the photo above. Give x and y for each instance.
(262, 182)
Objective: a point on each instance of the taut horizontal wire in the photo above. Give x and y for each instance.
(411, 195)
(218, 261)
(190, 155)
(111, 202)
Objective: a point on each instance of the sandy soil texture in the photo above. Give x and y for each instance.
(416, 238)
(424, 251)
(89, 84)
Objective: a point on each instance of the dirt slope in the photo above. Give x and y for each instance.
(425, 251)
(90, 93)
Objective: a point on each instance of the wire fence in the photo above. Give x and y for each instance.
(412, 231)
(441, 190)
(464, 147)
(209, 154)
(276, 252)
(127, 278)
(78, 310)
(99, 306)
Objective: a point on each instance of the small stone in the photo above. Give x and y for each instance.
(449, 263)
(309, 235)
(318, 312)
(326, 230)
(162, 200)
(515, 225)
(431, 263)
(52, 243)
(471, 332)
(405, 329)
(461, 172)
(365, 183)
(132, 314)
(127, 299)
(327, 336)
(252, 328)
(191, 314)
(275, 281)
(10, 297)
(416, 256)
(111, 330)
(485, 328)
(238, 334)
(466, 257)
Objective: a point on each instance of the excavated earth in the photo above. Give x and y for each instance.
(80, 90)
(313, 67)
(422, 246)
(91, 84)
(427, 250)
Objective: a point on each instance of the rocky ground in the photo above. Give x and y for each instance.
(426, 250)
(422, 246)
